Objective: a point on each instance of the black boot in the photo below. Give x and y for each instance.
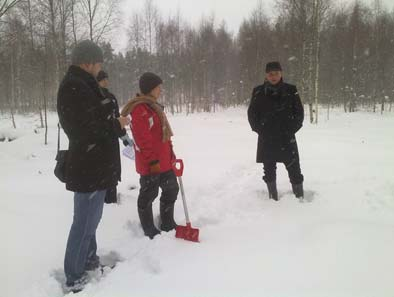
(272, 191)
(298, 190)
(146, 218)
(167, 217)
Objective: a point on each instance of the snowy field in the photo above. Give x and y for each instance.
(339, 243)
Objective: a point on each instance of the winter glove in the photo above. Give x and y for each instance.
(154, 167)
(127, 141)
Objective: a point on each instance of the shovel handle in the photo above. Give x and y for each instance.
(178, 167)
(184, 200)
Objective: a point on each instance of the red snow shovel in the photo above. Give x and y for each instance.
(184, 232)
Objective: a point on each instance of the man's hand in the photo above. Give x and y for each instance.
(123, 121)
(127, 140)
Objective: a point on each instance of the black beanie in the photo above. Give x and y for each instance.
(149, 81)
(102, 75)
(86, 52)
(273, 66)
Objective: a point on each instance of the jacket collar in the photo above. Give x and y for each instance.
(89, 79)
(82, 74)
(274, 90)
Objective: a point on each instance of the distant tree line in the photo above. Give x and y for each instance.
(336, 55)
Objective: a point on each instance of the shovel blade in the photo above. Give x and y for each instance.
(187, 233)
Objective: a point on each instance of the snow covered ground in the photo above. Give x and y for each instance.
(340, 243)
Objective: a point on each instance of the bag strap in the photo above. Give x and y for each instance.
(58, 137)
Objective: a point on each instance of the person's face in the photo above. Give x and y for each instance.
(274, 77)
(156, 92)
(96, 68)
(93, 69)
(104, 83)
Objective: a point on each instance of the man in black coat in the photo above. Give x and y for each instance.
(113, 108)
(93, 160)
(276, 113)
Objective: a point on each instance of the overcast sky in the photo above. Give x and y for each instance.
(232, 11)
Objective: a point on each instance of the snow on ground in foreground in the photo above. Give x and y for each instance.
(340, 243)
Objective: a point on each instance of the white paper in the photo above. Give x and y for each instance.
(128, 152)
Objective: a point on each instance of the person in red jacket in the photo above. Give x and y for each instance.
(154, 156)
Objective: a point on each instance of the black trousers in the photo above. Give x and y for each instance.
(293, 168)
(149, 190)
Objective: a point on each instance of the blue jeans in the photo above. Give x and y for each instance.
(81, 244)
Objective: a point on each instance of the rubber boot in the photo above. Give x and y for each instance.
(146, 218)
(167, 217)
(298, 190)
(272, 191)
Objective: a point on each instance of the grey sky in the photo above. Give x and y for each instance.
(232, 11)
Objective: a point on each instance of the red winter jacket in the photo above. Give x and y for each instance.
(148, 137)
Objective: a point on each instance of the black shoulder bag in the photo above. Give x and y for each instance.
(61, 158)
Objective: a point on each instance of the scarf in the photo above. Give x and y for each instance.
(156, 107)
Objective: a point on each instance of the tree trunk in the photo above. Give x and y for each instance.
(328, 108)
(12, 101)
(46, 119)
(41, 117)
(73, 21)
(374, 101)
(44, 93)
(317, 60)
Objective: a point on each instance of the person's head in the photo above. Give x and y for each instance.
(88, 56)
(273, 73)
(102, 79)
(150, 84)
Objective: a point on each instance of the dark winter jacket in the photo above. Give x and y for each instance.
(276, 114)
(113, 107)
(93, 161)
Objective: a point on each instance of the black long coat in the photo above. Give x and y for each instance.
(276, 114)
(113, 107)
(93, 161)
